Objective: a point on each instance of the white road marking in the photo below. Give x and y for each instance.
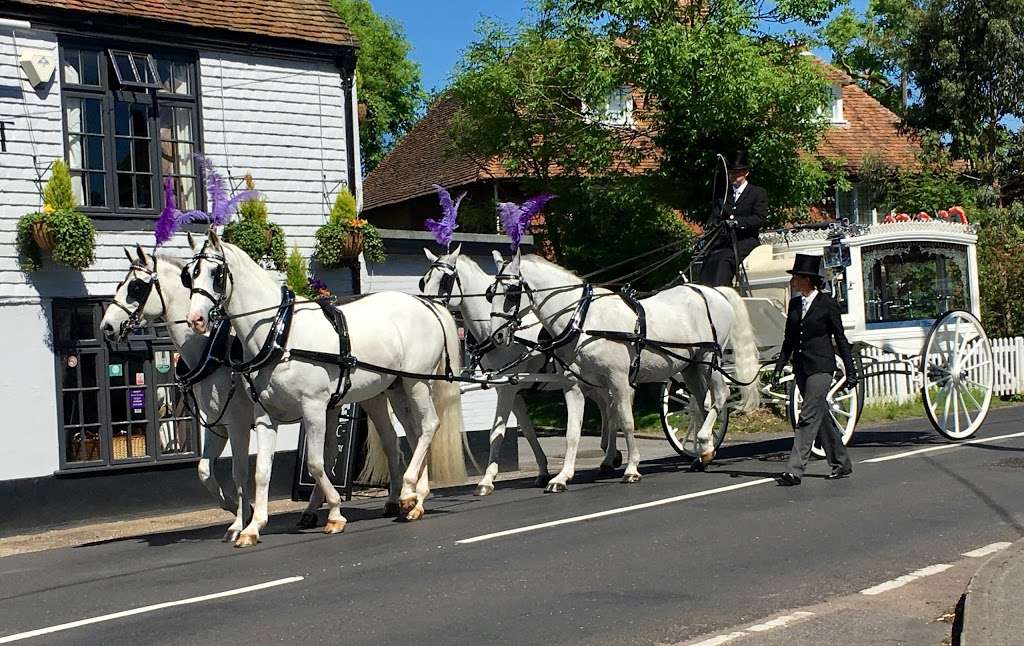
(943, 447)
(778, 622)
(138, 611)
(988, 549)
(613, 512)
(906, 578)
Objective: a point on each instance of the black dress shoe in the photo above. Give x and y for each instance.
(788, 480)
(839, 473)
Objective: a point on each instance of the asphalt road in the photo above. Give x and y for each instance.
(702, 553)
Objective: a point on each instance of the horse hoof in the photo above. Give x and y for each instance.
(606, 470)
(406, 505)
(617, 462)
(334, 527)
(415, 514)
(307, 521)
(707, 456)
(484, 490)
(542, 480)
(555, 487)
(697, 466)
(630, 478)
(231, 535)
(391, 510)
(247, 540)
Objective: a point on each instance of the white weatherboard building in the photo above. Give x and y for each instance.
(268, 92)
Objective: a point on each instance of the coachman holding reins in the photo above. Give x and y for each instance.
(739, 218)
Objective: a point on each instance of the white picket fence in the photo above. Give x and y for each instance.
(1008, 355)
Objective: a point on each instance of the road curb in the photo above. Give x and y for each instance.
(992, 612)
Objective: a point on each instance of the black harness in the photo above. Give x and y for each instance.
(449, 279)
(220, 349)
(139, 290)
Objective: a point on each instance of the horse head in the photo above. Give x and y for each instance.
(506, 298)
(207, 277)
(134, 303)
(442, 278)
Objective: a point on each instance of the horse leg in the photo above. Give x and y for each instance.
(423, 421)
(696, 385)
(574, 403)
(506, 397)
(620, 410)
(523, 416)
(314, 416)
(266, 442)
(238, 435)
(377, 410)
(609, 438)
(719, 396)
(213, 446)
(309, 518)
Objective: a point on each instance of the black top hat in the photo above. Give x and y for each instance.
(739, 161)
(806, 265)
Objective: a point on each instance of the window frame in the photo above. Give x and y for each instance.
(110, 92)
(147, 342)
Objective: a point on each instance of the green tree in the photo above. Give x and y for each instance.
(873, 48)
(965, 59)
(1000, 270)
(387, 80)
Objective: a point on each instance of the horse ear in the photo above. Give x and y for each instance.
(458, 250)
(191, 240)
(214, 240)
(429, 254)
(499, 262)
(514, 263)
(128, 254)
(141, 254)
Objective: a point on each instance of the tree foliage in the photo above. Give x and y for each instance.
(1001, 272)
(387, 80)
(703, 82)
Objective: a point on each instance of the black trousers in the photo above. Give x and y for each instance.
(719, 268)
(816, 423)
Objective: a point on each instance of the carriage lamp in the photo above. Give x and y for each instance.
(837, 253)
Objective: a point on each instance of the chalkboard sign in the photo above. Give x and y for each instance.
(350, 438)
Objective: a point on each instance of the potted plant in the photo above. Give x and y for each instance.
(255, 234)
(340, 241)
(58, 228)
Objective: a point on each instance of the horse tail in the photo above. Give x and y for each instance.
(447, 464)
(745, 354)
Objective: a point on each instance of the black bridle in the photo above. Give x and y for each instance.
(139, 290)
(511, 309)
(221, 276)
(449, 279)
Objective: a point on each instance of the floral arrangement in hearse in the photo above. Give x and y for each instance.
(954, 214)
(59, 228)
(340, 241)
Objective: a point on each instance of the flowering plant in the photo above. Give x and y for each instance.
(59, 227)
(339, 242)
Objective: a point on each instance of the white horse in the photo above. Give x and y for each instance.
(390, 330)
(150, 293)
(461, 283)
(683, 315)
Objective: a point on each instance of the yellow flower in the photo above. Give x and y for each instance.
(47, 209)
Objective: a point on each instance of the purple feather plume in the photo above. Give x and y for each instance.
(515, 218)
(167, 224)
(444, 229)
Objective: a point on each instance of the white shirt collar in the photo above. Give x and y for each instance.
(737, 190)
(807, 300)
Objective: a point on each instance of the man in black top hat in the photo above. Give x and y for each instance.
(812, 324)
(742, 215)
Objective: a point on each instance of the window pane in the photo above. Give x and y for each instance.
(93, 116)
(125, 190)
(72, 415)
(164, 68)
(78, 187)
(142, 66)
(76, 155)
(182, 83)
(82, 445)
(167, 158)
(97, 190)
(90, 406)
(183, 124)
(187, 193)
(123, 154)
(72, 64)
(84, 322)
(140, 120)
(119, 405)
(87, 366)
(90, 68)
(122, 118)
(185, 159)
(142, 155)
(73, 109)
(70, 379)
(125, 71)
(94, 152)
(143, 191)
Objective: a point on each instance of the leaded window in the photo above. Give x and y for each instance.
(131, 120)
(914, 281)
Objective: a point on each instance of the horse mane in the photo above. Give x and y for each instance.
(541, 260)
(175, 261)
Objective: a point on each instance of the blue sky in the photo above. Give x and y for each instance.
(439, 31)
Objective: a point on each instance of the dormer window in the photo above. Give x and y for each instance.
(617, 109)
(836, 115)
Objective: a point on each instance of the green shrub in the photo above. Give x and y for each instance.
(73, 233)
(332, 238)
(248, 232)
(297, 274)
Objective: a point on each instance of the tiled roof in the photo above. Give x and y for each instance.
(308, 20)
(423, 159)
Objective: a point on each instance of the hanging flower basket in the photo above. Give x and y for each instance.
(351, 244)
(43, 236)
